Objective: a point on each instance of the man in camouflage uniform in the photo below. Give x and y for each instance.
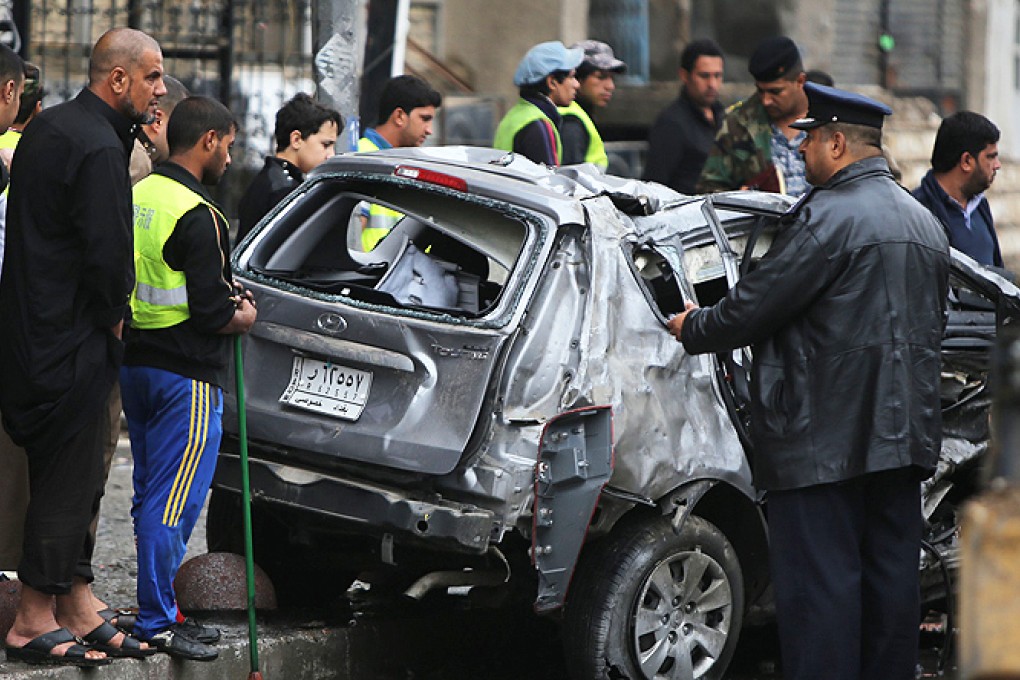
(756, 148)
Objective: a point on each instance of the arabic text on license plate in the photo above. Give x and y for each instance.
(327, 388)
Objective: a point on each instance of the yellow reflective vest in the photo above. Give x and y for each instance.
(596, 151)
(380, 218)
(520, 115)
(160, 296)
(9, 140)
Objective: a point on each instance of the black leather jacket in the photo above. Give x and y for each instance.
(845, 314)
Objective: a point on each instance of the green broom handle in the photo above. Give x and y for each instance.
(249, 559)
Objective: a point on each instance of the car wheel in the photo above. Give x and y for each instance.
(649, 603)
(300, 576)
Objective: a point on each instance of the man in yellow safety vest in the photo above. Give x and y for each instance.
(582, 142)
(546, 79)
(184, 308)
(407, 109)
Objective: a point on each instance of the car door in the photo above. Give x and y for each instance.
(739, 231)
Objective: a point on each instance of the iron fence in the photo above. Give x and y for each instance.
(252, 55)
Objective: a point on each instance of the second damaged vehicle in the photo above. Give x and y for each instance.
(489, 398)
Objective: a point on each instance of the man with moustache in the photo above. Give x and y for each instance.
(64, 292)
(757, 147)
(684, 132)
(963, 165)
(184, 308)
(582, 142)
(845, 314)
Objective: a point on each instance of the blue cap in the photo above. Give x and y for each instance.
(832, 105)
(545, 58)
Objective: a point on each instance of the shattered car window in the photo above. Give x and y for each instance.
(436, 253)
(704, 263)
(659, 281)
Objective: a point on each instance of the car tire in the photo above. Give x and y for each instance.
(647, 602)
(301, 579)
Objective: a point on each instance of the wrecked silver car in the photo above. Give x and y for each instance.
(489, 398)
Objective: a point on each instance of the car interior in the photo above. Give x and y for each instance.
(444, 253)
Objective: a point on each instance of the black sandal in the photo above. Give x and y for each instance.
(130, 647)
(124, 619)
(38, 651)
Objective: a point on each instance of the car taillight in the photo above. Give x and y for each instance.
(431, 177)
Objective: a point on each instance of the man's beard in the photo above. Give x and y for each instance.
(134, 115)
(977, 184)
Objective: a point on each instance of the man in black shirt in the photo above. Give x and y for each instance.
(184, 308)
(684, 132)
(63, 297)
(305, 134)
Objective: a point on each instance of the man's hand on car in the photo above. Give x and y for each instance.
(676, 323)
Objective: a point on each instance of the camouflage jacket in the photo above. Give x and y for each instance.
(742, 148)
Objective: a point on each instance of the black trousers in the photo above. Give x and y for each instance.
(845, 561)
(65, 486)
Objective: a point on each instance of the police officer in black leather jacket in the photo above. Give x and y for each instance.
(845, 315)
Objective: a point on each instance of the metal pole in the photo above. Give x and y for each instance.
(225, 52)
(403, 25)
(339, 27)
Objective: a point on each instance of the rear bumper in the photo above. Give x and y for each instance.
(360, 507)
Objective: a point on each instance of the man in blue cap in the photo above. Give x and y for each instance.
(546, 79)
(845, 317)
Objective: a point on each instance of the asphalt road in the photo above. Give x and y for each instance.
(442, 638)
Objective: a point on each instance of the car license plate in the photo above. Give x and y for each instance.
(327, 388)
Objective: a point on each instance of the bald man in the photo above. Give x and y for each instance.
(68, 273)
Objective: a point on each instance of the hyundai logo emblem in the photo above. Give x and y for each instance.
(331, 323)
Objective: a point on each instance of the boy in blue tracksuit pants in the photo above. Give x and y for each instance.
(184, 310)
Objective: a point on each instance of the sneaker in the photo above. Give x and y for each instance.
(181, 646)
(196, 631)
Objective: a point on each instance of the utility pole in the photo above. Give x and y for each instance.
(340, 28)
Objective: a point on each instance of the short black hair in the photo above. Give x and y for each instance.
(584, 70)
(11, 65)
(964, 131)
(820, 77)
(702, 47)
(193, 117)
(406, 93)
(176, 92)
(31, 95)
(304, 114)
(541, 87)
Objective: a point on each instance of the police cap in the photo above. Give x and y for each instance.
(773, 59)
(831, 105)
